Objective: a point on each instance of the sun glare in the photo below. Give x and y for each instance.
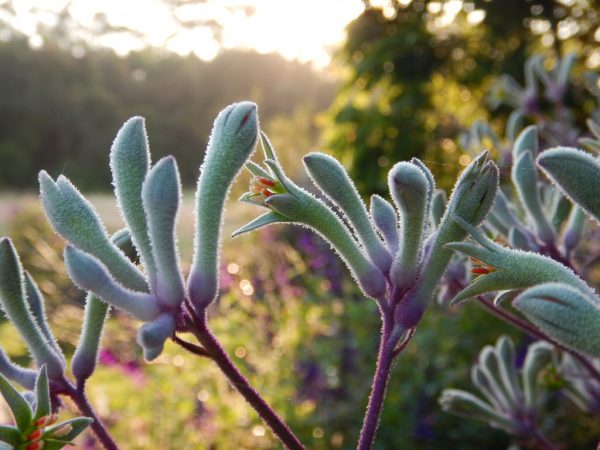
(307, 30)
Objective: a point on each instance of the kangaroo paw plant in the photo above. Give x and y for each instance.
(508, 400)
(402, 252)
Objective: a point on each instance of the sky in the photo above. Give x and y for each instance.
(306, 30)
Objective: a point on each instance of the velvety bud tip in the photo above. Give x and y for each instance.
(152, 335)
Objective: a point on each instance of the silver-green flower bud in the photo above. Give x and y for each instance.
(331, 177)
(576, 173)
(232, 142)
(564, 313)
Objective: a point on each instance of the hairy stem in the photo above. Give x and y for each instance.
(192, 348)
(78, 395)
(387, 347)
(199, 327)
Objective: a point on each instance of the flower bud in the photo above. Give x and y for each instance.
(464, 404)
(538, 356)
(471, 199)
(525, 180)
(75, 219)
(301, 207)
(576, 174)
(25, 377)
(438, 205)
(564, 313)
(152, 335)
(232, 142)
(130, 163)
(526, 141)
(161, 194)
(410, 190)
(511, 269)
(573, 230)
(90, 274)
(331, 177)
(386, 220)
(15, 307)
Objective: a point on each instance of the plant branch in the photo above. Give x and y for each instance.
(210, 343)
(78, 395)
(192, 348)
(387, 346)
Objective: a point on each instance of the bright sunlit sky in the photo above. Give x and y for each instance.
(307, 30)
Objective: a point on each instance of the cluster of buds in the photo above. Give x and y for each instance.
(395, 250)
(149, 199)
(510, 402)
(532, 273)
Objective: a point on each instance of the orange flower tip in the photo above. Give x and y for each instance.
(35, 446)
(62, 430)
(266, 193)
(36, 435)
(480, 270)
(266, 182)
(43, 421)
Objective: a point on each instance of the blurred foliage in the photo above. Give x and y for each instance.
(294, 322)
(60, 112)
(417, 71)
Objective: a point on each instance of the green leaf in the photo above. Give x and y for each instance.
(267, 147)
(35, 300)
(268, 218)
(17, 404)
(42, 393)
(78, 425)
(256, 170)
(10, 435)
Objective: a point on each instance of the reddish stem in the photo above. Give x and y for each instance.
(78, 395)
(199, 326)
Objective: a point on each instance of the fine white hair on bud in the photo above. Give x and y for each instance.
(232, 142)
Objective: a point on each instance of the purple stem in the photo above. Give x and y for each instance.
(77, 394)
(210, 343)
(387, 345)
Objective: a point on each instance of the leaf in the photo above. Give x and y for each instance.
(268, 218)
(10, 435)
(256, 170)
(17, 404)
(42, 392)
(78, 425)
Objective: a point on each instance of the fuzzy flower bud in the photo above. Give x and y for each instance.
(564, 313)
(232, 142)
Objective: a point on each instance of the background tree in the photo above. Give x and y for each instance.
(416, 71)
